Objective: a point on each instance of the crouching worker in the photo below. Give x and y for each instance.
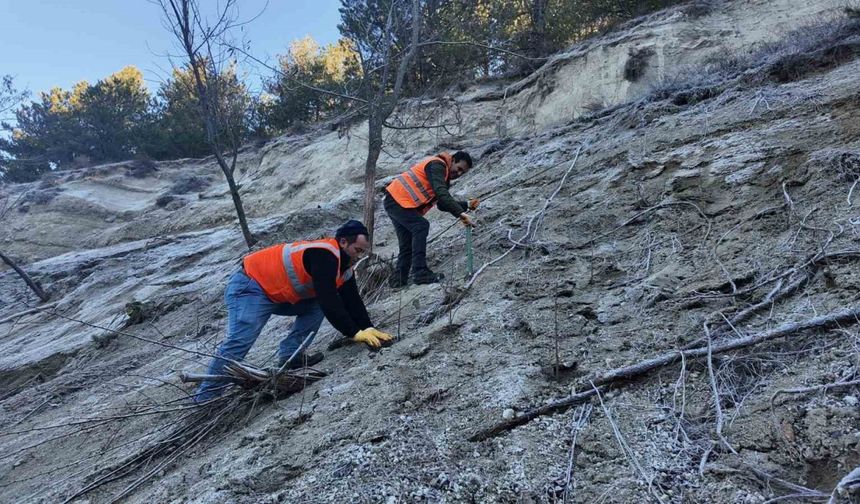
(305, 279)
(411, 195)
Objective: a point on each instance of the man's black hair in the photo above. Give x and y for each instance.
(463, 156)
(351, 230)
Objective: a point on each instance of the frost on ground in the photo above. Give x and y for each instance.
(735, 207)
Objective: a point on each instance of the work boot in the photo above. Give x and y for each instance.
(302, 360)
(427, 277)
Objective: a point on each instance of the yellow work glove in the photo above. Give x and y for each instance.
(384, 337)
(473, 203)
(466, 220)
(371, 337)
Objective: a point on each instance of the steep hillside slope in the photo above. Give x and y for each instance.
(626, 231)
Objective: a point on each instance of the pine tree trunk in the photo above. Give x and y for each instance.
(538, 35)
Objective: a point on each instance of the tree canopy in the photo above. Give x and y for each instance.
(118, 118)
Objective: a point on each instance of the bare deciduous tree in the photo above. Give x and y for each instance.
(385, 62)
(383, 99)
(197, 40)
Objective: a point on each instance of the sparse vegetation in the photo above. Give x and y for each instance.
(163, 200)
(595, 105)
(637, 63)
(798, 54)
(40, 196)
(188, 184)
(665, 312)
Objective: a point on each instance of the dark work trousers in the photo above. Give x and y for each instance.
(412, 229)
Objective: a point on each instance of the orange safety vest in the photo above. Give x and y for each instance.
(280, 270)
(412, 189)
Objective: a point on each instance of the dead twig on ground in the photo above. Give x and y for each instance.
(739, 467)
(178, 441)
(627, 450)
(715, 389)
(813, 260)
(817, 388)
(577, 425)
(851, 191)
(788, 202)
(720, 263)
(535, 220)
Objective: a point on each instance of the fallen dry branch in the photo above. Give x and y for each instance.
(647, 478)
(847, 488)
(182, 437)
(715, 389)
(779, 291)
(527, 416)
(817, 388)
(848, 316)
(198, 426)
(615, 376)
(32, 284)
(252, 378)
(813, 261)
(737, 466)
(28, 312)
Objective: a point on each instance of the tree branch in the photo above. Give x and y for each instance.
(33, 285)
(615, 376)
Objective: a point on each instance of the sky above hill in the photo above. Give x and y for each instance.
(50, 43)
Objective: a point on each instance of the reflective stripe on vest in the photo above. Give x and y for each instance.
(411, 176)
(306, 290)
(280, 271)
(412, 188)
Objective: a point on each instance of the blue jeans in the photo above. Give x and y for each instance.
(248, 310)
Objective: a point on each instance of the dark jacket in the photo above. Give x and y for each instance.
(343, 307)
(444, 201)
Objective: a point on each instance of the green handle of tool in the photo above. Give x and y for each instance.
(470, 260)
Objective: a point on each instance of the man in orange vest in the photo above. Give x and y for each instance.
(307, 279)
(411, 195)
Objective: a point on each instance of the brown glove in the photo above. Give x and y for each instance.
(466, 220)
(473, 203)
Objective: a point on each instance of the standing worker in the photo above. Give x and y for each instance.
(307, 279)
(411, 195)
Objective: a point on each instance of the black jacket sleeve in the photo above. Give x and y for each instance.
(343, 316)
(444, 200)
(354, 304)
